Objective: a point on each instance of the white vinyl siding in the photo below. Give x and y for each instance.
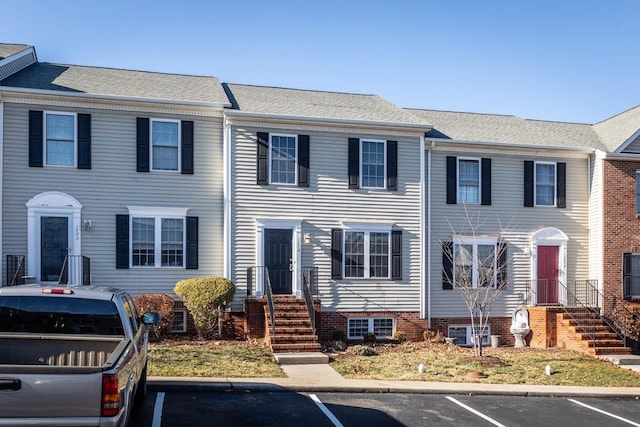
(325, 205)
(508, 221)
(111, 186)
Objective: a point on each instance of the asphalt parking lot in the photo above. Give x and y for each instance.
(255, 408)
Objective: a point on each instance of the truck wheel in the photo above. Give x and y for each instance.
(141, 390)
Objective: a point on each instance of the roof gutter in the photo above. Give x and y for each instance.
(627, 157)
(440, 141)
(83, 95)
(308, 119)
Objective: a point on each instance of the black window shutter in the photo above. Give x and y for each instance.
(561, 185)
(452, 180)
(84, 141)
(447, 265)
(192, 243)
(392, 165)
(122, 241)
(354, 163)
(263, 158)
(528, 183)
(303, 161)
(485, 179)
(396, 254)
(626, 276)
(142, 144)
(36, 139)
(187, 147)
(501, 275)
(336, 253)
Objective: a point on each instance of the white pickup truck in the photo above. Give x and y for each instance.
(70, 356)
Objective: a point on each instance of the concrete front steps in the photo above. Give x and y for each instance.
(583, 331)
(293, 330)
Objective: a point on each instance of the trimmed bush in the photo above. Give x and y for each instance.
(206, 298)
(399, 336)
(161, 304)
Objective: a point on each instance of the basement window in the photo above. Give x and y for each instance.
(464, 336)
(179, 324)
(382, 327)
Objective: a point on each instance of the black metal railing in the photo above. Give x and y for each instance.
(543, 292)
(260, 274)
(615, 312)
(76, 270)
(588, 309)
(15, 270)
(310, 290)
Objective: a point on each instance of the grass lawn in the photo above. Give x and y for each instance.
(443, 362)
(503, 365)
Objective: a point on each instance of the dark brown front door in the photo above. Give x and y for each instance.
(278, 259)
(547, 274)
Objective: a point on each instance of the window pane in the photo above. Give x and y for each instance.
(283, 159)
(383, 327)
(486, 265)
(165, 145)
(463, 255)
(460, 333)
(143, 238)
(172, 242)
(353, 254)
(637, 192)
(358, 327)
(469, 181)
(60, 144)
(545, 184)
(379, 255)
(373, 164)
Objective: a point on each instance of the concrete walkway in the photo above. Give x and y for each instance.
(323, 378)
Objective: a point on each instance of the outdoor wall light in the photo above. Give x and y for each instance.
(306, 239)
(86, 224)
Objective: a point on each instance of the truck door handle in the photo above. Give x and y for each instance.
(13, 384)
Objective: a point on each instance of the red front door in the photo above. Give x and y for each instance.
(547, 274)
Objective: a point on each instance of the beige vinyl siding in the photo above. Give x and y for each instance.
(323, 206)
(507, 219)
(111, 185)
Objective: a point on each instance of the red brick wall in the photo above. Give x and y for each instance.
(543, 324)
(407, 322)
(621, 227)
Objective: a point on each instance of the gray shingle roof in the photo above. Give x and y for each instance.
(508, 129)
(117, 82)
(616, 130)
(317, 104)
(7, 49)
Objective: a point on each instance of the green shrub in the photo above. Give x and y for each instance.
(368, 337)
(361, 350)
(206, 298)
(161, 304)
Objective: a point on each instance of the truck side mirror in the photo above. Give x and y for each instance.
(150, 318)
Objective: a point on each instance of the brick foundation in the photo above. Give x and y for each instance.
(407, 322)
(543, 322)
(499, 326)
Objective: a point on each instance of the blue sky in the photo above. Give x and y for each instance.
(562, 60)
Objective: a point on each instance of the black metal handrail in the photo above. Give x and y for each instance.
(15, 270)
(80, 268)
(310, 289)
(260, 274)
(268, 292)
(587, 311)
(609, 303)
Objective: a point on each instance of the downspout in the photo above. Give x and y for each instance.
(423, 282)
(433, 144)
(226, 154)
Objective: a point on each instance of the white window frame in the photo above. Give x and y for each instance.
(384, 166)
(370, 327)
(151, 145)
(367, 229)
(295, 161)
(458, 192)
(555, 184)
(158, 214)
(637, 192)
(183, 328)
(486, 337)
(75, 138)
(475, 242)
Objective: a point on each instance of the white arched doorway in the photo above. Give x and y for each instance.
(549, 266)
(53, 232)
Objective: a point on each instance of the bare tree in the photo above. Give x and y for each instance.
(475, 265)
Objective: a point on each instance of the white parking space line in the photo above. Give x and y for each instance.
(473, 411)
(605, 413)
(326, 411)
(157, 410)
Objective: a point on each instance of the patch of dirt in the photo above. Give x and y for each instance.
(485, 361)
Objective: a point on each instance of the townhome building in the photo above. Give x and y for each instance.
(109, 176)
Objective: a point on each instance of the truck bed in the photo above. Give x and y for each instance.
(59, 350)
